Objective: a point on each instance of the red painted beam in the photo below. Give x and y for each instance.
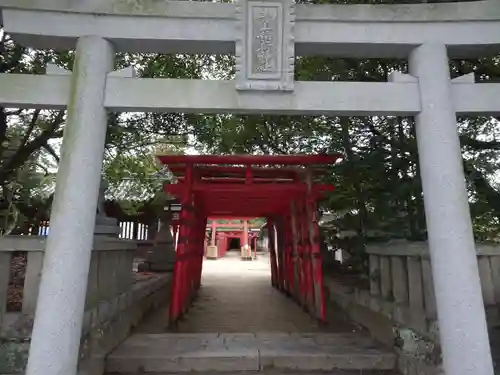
(250, 159)
(226, 225)
(220, 171)
(221, 217)
(241, 180)
(248, 190)
(244, 209)
(239, 217)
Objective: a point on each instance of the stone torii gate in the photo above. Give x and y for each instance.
(265, 36)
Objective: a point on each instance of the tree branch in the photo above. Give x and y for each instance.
(476, 144)
(31, 126)
(51, 151)
(24, 152)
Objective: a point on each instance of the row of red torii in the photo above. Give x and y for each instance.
(282, 189)
(221, 237)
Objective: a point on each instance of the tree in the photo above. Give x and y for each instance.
(379, 193)
(28, 137)
(135, 178)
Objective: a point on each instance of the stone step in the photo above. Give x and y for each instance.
(273, 372)
(233, 352)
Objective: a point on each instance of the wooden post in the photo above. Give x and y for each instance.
(317, 268)
(214, 231)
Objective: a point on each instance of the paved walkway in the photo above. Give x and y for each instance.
(240, 323)
(236, 296)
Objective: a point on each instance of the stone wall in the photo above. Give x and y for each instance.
(399, 308)
(117, 299)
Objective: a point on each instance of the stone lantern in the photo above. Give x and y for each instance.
(161, 257)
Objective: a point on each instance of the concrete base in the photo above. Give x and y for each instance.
(205, 352)
(212, 252)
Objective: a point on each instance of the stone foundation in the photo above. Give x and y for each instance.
(416, 355)
(105, 327)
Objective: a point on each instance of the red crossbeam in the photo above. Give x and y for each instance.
(225, 171)
(299, 160)
(249, 192)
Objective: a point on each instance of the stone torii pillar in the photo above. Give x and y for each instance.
(462, 319)
(55, 339)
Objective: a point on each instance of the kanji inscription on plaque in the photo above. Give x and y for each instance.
(265, 48)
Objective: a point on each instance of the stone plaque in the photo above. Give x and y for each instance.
(265, 45)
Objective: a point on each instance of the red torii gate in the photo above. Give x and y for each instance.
(220, 239)
(285, 194)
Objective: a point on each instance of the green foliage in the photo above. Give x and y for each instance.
(378, 194)
(135, 177)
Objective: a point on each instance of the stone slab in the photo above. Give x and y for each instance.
(273, 372)
(192, 27)
(157, 354)
(322, 361)
(249, 352)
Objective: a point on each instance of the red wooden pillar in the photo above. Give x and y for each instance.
(317, 267)
(245, 234)
(188, 258)
(280, 252)
(178, 296)
(296, 254)
(222, 245)
(272, 251)
(214, 231)
(293, 288)
(288, 278)
(305, 255)
(198, 256)
(218, 243)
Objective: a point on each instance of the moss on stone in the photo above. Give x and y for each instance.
(13, 356)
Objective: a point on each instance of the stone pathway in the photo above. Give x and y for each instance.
(237, 296)
(239, 323)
